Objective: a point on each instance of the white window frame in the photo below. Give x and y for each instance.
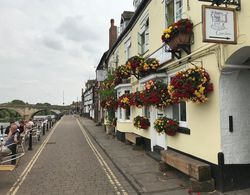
(178, 12)
(181, 123)
(121, 112)
(127, 45)
(146, 111)
(143, 35)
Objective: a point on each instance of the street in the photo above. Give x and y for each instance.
(71, 163)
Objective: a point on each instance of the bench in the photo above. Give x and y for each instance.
(191, 167)
(199, 172)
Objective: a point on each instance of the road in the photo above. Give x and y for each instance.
(70, 162)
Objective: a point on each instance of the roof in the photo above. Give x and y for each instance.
(126, 16)
(102, 61)
(130, 25)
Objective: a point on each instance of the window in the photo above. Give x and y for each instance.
(128, 49)
(173, 11)
(146, 111)
(143, 37)
(180, 113)
(178, 9)
(127, 113)
(127, 110)
(123, 114)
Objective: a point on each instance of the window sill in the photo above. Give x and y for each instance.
(124, 121)
(184, 130)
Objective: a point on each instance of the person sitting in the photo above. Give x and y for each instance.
(21, 127)
(9, 147)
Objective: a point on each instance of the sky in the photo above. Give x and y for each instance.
(50, 48)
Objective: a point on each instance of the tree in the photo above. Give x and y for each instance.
(18, 102)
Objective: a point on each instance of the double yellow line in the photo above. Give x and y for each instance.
(13, 190)
(111, 176)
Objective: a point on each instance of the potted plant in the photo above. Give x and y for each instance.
(178, 34)
(167, 125)
(192, 84)
(141, 122)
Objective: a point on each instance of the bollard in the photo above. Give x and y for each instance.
(43, 129)
(47, 124)
(30, 140)
(2, 129)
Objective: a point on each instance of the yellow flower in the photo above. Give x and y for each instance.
(167, 36)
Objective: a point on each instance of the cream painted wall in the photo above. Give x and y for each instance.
(155, 10)
(242, 21)
(124, 126)
(203, 120)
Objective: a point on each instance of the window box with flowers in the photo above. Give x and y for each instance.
(139, 67)
(192, 84)
(178, 34)
(166, 125)
(141, 122)
(149, 67)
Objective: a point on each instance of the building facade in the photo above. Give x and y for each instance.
(217, 131)
(88, 97)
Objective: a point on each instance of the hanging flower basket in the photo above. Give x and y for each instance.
(192, 84)
(156, 94)
(124, 101)
(110, 103)
(167, 125)
(134, 64)
(141, 122)
(179, 40)
(136, 99)
(178, 34)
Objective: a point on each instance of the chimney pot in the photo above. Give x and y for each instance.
(112, 33)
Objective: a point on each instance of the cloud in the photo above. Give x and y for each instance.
(53, 43)
(75, 29)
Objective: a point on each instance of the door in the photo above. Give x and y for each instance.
(156, 138)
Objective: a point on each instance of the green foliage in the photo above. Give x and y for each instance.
(43, 104)
(18, 102)
(9, 115)
(107, 87)
(44, 113)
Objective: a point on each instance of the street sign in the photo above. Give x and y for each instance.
(219, 24)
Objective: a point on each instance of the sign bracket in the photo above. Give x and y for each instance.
(236, 3)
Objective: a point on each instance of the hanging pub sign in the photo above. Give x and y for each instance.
(219, 24)
(101, 75)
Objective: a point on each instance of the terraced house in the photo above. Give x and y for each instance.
(203, 52)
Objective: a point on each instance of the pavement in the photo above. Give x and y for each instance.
(141, 170)
(80, 158)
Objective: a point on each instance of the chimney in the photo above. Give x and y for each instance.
(112, 33)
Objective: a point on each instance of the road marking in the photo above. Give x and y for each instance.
(111, 176)
(13, 190)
